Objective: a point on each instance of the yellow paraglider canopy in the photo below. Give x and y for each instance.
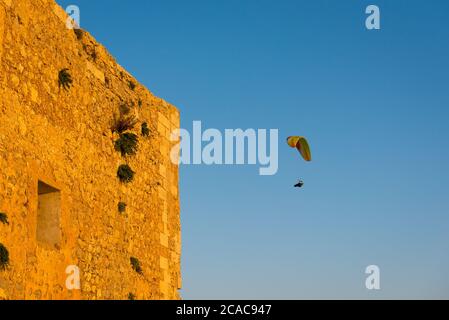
(302, 145)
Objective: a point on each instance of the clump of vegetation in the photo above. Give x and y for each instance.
(135, 263)
(125, 173)
(131, 296)
(139, 103)
(3, 218)
(79, 33)
(4, 257)
(145, 130)
(91, 50)
(127, 144)
(121, 207)
(123, 123)
(132, 85)
(65, 79)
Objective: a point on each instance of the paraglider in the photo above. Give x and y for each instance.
(301, 144)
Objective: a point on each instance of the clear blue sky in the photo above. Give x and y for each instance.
(374, 105)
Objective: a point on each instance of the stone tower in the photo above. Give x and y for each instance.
(86, 180)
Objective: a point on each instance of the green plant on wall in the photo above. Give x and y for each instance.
(3, 218)
(125, 173)
(131, 296)
(4, 257)
(121, 207)
(135, 264)
(127, 144)
(132, 85)
(123, 123)
(145, 130)
(65, 79)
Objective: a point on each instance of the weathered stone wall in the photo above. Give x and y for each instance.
(64, 139)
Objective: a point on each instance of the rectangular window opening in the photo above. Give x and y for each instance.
(48, 216)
